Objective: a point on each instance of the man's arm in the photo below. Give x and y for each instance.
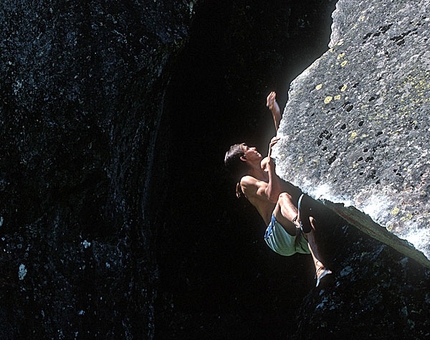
(274, 186)
(254, 189)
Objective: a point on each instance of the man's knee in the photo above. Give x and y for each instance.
(285, 198)
(287, 207)
(286, 202)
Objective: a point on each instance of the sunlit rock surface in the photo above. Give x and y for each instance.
(356, 127)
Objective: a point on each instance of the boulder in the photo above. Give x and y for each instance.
(355, 128)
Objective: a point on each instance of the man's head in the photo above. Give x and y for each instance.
(238, 158)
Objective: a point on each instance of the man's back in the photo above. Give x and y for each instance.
(254, 191)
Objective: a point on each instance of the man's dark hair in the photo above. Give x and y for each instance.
(234, 164)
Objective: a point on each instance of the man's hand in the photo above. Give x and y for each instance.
(271, 100)
(273, 106)
(273, 141)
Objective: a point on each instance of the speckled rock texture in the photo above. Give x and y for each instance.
(80, 103)
(117, 220)
(356, 127)
(376, 293)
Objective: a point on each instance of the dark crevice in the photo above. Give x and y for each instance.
(381, 30)
(238, 52)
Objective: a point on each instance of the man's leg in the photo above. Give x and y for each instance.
(286, 213)
(304, 211)
(320, 269)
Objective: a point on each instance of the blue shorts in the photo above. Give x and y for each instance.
(283, 243)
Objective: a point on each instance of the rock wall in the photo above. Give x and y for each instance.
(100, 239)
(355, 129)
(81, 92)
(354, 134)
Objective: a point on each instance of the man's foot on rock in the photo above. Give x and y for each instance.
(321, 273)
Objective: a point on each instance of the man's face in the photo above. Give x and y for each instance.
(251, 153)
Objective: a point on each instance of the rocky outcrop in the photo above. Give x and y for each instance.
(100, 239)
(81, 94)
(356, 124)
(354, 135)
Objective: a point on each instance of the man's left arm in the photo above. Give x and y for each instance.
(274, 185)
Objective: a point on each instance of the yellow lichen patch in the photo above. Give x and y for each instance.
(337, 97)
(318, 87)
(340, 42)
(343, 63)
(362, 18)
(314, 163)
(340, 56)
(418, 86)
(407, 217)
(395, 211)
(353, 135)
(328, 99)
(344, 87)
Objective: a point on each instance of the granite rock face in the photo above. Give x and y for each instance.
(80, 103)
(104, 233)
(356, 127)
(354, 135)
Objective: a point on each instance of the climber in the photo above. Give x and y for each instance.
(290, 227)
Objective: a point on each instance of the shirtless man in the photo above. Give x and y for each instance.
(291, 228)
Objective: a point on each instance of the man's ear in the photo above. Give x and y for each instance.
(243, 158)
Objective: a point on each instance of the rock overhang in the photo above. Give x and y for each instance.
(355, 129)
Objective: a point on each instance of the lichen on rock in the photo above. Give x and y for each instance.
(355, 129)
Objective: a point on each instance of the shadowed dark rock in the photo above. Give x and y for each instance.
(81, 91)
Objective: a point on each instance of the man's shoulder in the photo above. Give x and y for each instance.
(251, 185)
(248, 180)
